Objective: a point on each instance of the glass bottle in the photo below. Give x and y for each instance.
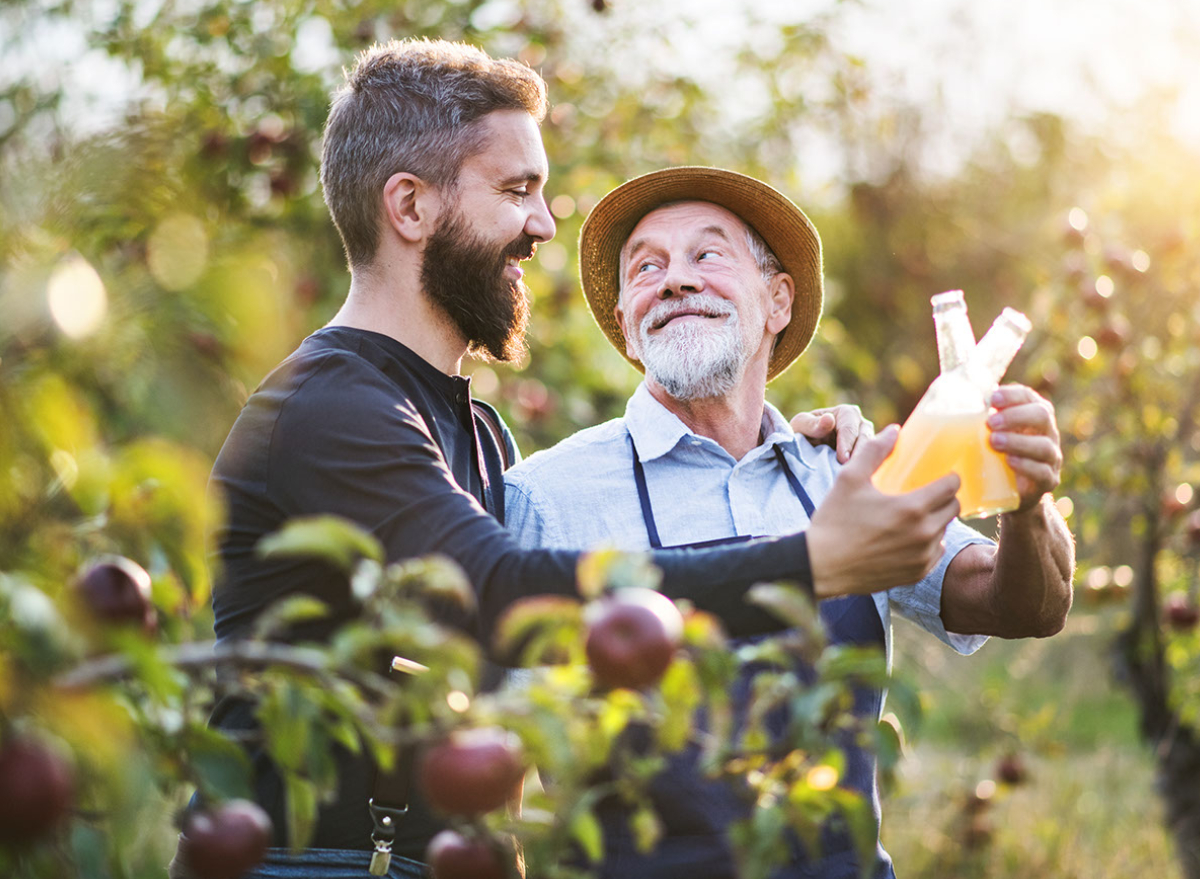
(955, 338)
(947, 431)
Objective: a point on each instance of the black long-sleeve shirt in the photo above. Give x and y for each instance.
(357, 425)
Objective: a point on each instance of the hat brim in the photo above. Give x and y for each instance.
(783, 226)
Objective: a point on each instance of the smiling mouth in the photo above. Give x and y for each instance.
(659, 324)
(515, 259)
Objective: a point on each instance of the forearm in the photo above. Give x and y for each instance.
(1020, 589)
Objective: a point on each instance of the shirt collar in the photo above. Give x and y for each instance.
(656, 430)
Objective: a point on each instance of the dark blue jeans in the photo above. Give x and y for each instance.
(319, 863)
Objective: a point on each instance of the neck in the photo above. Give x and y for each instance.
(733, 420)
(388, 299)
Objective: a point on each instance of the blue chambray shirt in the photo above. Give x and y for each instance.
(580, 494)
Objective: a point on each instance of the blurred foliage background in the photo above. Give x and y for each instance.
(158, 258)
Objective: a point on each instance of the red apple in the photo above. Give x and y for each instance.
(1112, 335)
(37, 790)
(473, 771)
(1170, 505)
(1192, 529)
(116, 591)
(1011, 770)
(226, 841)
(1180, 612)
(632, 637)
(452, 856)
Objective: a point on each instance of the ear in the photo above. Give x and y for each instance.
(410, 205)
(620, 316)
(781, 292)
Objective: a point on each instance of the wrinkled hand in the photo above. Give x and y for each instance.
(1025, 430)
(861, 540)
(842, 427)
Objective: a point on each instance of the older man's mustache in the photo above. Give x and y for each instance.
(699, 304)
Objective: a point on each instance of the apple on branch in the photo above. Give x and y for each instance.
(37, 790)
(453, 856)
(473, 771)
(225, 841)
(115, 591)
(632, 636)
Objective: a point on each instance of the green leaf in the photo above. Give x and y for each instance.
(332, 538)
(289, 611)
(220, 765)
(646, 828)
(858, 665)
(585, 829)
(434, 576)
(301, 809)
(541, 630)
(680, 691)
(789, 603)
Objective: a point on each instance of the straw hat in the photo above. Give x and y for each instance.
(781, 224)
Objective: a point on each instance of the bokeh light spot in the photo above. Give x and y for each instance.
(552, 257)
(458, 701)
(1184, 493)
(1066, 507)
(76, 296)
(1104, 286)
(822, 777)
(1078, 219)
(177, 251)
(1122, 576)
(986, 789)
(1098, 577)
(562, 206)
(1140, 260)
(1087, 348)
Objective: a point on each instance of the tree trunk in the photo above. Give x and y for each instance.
(1142, 666)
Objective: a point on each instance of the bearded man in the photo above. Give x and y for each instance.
(434, 172)
(710, 282)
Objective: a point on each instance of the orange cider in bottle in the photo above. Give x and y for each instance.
(948, 433)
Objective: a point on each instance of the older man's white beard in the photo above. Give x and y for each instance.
(697, 359)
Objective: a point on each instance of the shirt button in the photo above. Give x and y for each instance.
(695, 442)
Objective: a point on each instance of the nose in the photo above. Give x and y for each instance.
(540, 224)
(680, 278)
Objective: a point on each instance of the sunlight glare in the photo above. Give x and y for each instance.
(76, 296)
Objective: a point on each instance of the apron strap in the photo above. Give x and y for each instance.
(639, 478)
(797, 488)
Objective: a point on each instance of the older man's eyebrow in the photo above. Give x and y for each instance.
(718, 231)
(637, 243)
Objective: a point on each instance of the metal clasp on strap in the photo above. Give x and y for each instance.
(383, 835)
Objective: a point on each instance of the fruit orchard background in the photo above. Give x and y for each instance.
(154, 266)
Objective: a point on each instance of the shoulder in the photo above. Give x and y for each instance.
(596, 448)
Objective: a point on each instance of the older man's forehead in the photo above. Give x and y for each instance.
(715, 219)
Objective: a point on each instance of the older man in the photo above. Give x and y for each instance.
(710, 282)
(433, 170)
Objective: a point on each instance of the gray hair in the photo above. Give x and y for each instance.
(414, 106)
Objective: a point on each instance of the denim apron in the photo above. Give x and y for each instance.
(695, 811)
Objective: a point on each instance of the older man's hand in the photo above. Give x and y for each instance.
(1025, 430)
(839, 426)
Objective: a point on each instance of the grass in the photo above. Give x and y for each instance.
(1088, 808)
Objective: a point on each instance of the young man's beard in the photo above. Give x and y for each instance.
(464, 276)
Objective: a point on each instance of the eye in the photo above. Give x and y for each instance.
(706, 253)
(643, 266)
